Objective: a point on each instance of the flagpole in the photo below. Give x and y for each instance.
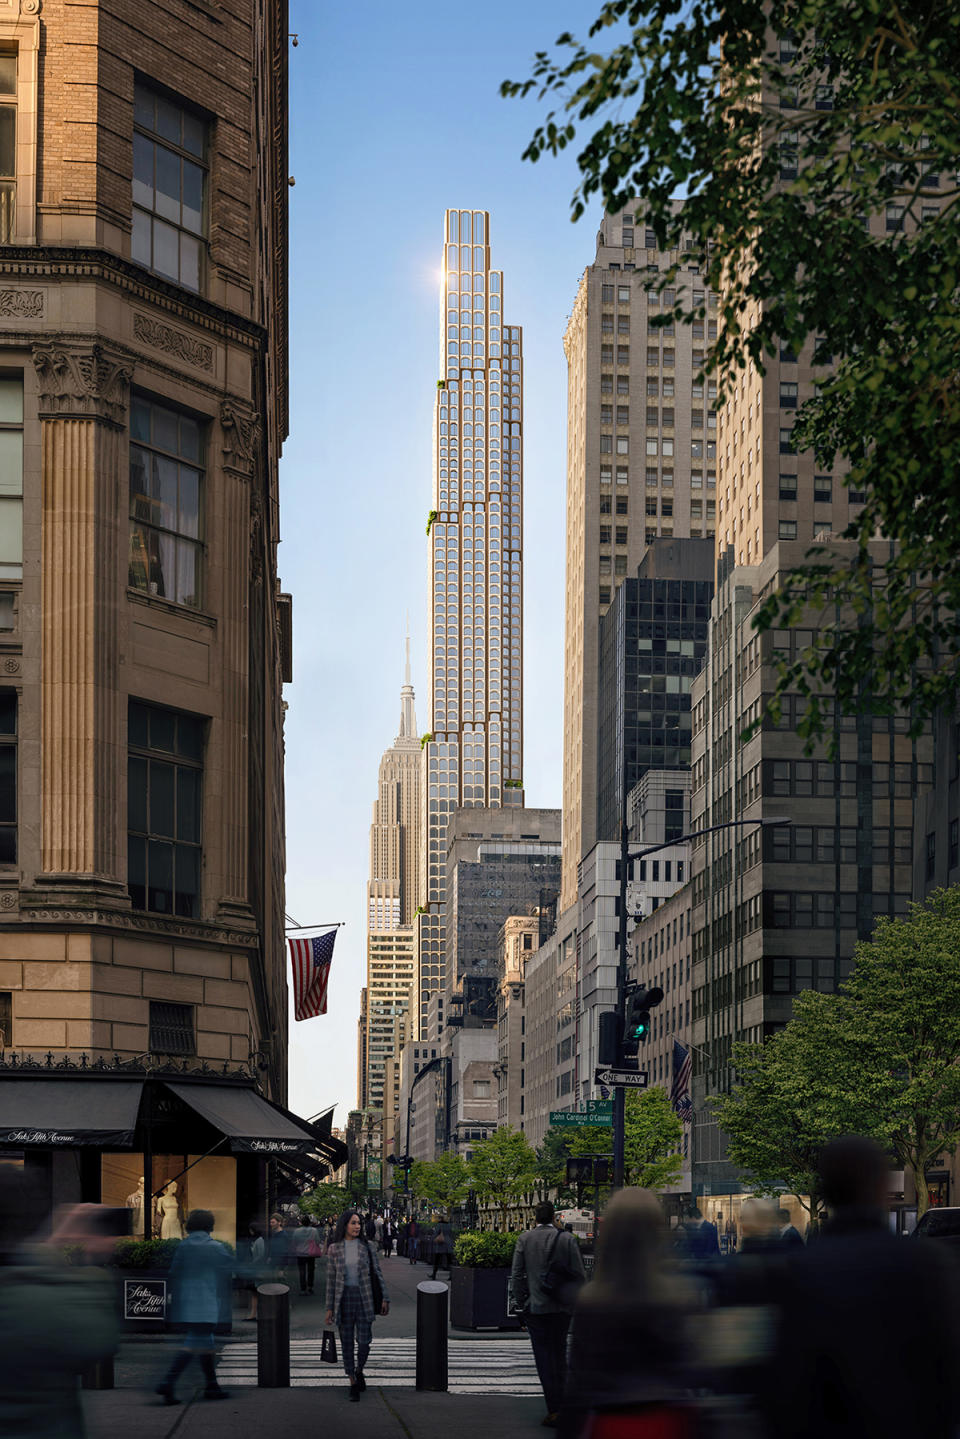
(293, 928)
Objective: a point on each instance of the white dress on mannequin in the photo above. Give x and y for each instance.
(168, 1208)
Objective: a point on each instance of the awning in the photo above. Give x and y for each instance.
(64, 1111)
(305, 1165)
(251, 1123)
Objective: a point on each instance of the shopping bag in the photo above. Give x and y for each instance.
(328, 1348)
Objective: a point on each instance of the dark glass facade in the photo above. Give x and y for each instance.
(653, 641)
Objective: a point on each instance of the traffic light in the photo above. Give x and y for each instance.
(608, 1037)
(636, 1020)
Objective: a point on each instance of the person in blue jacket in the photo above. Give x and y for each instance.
(200, 1278)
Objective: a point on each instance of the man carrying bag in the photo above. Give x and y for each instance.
(546, 1277)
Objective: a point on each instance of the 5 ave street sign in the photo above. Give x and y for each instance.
(628, 1078)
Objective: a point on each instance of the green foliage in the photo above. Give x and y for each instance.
(424, 741)
(552, 1160)
(881, 1057)
(326, 1201)
(503, 1167)
(485, 1250)
(442, 1182)
(652, 1135)
(357, 1185)
(780, 148)
(513, 784)
(144, 1253)
(430, 519)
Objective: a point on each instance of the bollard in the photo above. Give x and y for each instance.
(273, 1336)
(98, 1375)
(432, 1335)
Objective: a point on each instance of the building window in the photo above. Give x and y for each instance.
(8, 777)
(604, 594)
(169, 177)
(164, 784)
(8, 147)
(166, 497)
(171, 1028)
(931, 856)
(788, 487)
(787, 530)
(623, 444)
(786, 442)
(481, 1089)
(788, 394)
(822, 489)
(11, 477)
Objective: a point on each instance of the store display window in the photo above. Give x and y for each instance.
(181, 1182)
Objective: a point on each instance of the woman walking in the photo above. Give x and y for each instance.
(356, 1293)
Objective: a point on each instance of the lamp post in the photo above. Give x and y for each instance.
(626, 861)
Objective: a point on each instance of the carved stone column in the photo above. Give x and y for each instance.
(84, 395)
(240, 428)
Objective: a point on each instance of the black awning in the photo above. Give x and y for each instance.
(68, 1111)
(305, 1165)
(251, 1123)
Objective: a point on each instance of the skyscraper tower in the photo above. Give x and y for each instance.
(474, 756)
(396, 835)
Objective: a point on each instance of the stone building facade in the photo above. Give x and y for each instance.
(144, 639)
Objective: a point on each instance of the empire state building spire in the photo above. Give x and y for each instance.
(408, 714)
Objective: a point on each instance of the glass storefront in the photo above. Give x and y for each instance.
(181, 1182)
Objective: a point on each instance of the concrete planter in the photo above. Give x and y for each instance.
(478, 1299)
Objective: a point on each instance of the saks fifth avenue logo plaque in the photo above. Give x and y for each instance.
(275, 1146)
(144, 1299)
(38, 1136)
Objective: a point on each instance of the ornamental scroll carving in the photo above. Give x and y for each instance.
(82, 383)
(173, 341)
(241, 436)
(24, 304)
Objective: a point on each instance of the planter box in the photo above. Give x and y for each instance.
(478, 1299)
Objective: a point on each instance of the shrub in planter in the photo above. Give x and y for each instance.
(480, 1250)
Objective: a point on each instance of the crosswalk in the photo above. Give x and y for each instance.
(475, 1366)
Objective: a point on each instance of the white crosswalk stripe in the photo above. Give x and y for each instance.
(475, 1366)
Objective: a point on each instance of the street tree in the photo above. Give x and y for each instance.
(327, 1201)
(443, 1182)
(652, 1140)
(757, 139)
(503, 1168)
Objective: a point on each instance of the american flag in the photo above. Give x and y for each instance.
(680, 1092)
(311, 970)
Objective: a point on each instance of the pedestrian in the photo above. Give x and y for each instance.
(413, 1241)
(790, 1236)
(258, 1261)
(370, 1227)
(55, 1319)
(304, 1242)
(868, 1344)
(387, 1235)
(699, 1238)
(356, 1293)
(199, 1281)
(546, 1315)
(442, 1247)
(628, 1357)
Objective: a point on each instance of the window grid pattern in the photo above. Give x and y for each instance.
(164, 784)
(166, 503)
(169, 183)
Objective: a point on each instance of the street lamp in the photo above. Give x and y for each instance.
(626, 860)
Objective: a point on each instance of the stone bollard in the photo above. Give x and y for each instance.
(432, 1335)
(273, 1336)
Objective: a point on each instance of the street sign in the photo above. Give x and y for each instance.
(621, 1078)
(567, 1118)
(600, 1109)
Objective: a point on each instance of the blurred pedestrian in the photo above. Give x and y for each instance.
(869, 1340)
(699, 1238)
(56, 1319)
(356, 1293)
(258, 1263)
(305, 1244)
(200, 1280)
(442, 1247)
(790, 1236)
(387, 1235)
(413, 1241)
(628, 1355)
(760, 1225)
(547, 1313)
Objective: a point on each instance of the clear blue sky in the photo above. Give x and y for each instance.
(394, 116)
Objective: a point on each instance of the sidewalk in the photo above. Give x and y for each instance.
(381, 1414)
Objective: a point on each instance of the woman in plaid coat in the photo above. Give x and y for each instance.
(352, 1269)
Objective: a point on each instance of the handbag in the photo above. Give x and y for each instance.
(315, 1249)
(375, 1284)
(328, 1347)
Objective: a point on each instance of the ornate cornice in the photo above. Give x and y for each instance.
(23, 304)
(241, 437)
(35, 920)
(82, 382)
(178, 343)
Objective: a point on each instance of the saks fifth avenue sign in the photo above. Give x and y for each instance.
(38, 1136)
(275, 1146)
(144, 1299)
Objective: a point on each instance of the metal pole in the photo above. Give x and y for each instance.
(432, 1336)
(618, 1093)
(273, 1336)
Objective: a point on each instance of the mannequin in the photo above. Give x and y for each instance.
(134, 1201)
(168, 1213)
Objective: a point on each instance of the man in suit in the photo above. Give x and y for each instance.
(790, 1236)
(702, 1239)
(547, 1316)
(868, 1346)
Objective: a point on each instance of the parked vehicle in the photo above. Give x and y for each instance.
(942, 1224)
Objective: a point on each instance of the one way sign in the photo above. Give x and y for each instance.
(628, 1078)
